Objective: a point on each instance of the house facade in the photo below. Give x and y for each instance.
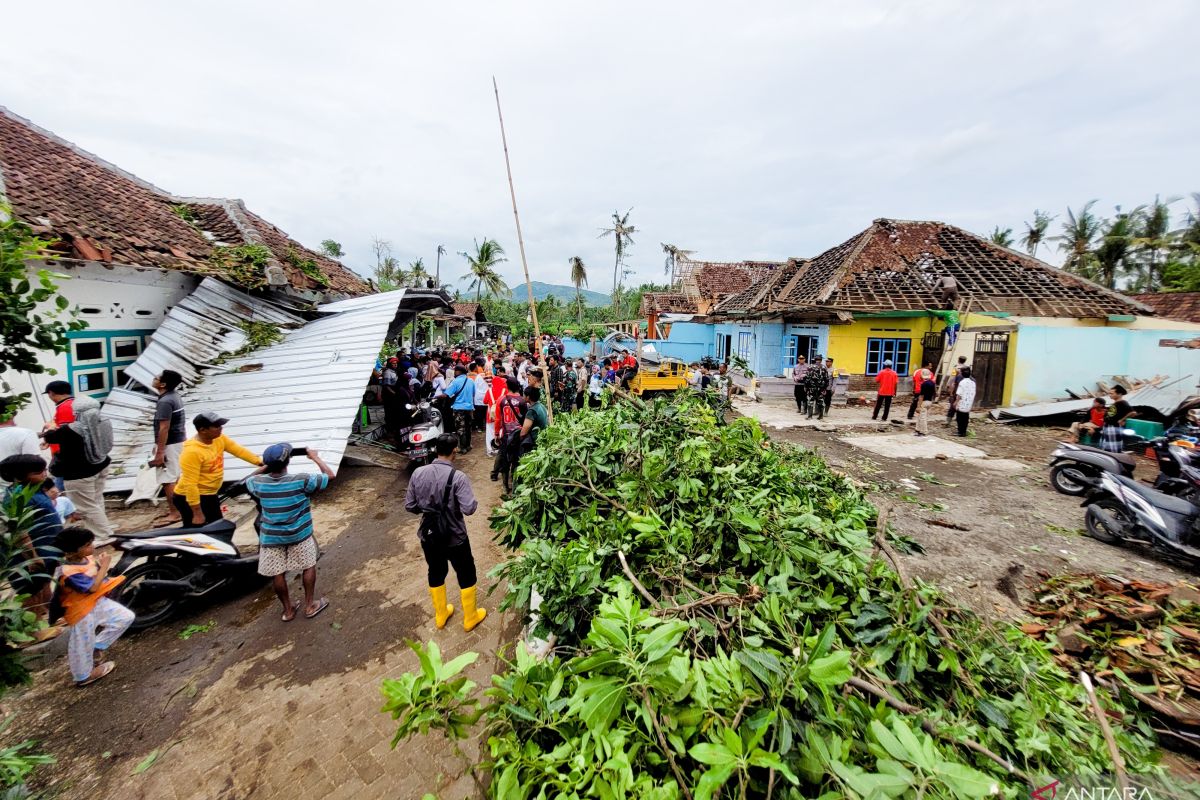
(1030, 331)
(128, 252)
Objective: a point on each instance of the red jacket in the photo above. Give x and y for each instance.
(887, 380)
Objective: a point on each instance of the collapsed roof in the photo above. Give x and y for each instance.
(95, 211)
(304, 388)
(895, 265)
(1183, 306)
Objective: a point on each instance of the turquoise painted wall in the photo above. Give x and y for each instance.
(1050, 360)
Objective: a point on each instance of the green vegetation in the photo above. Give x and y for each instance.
(306, 265)
(481, 269)
(729, 620)
(245, 264)
(331, 248)
(186, 213)
(34, 317)
(1136, 250)
(622, 232)
(197, 628)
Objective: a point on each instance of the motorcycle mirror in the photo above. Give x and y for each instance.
(409, 406)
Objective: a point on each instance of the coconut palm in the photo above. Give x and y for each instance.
(1004, 237)
(1114, 252)
(417, 273)
(673, 254)
(548, 307)
(1077, 240)
(481, 268)
(1152, 238)
(1035, 232)
(579, 280)
(622, 233)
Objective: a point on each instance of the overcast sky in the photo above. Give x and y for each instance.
(738, 130)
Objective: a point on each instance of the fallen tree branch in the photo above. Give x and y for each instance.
(929, 727)
(662, 741)
(636, 583)
(718, 600)
(1113, 751)
(934, 616)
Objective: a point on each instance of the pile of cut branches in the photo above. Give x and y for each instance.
(732, 622)
(1143, 637)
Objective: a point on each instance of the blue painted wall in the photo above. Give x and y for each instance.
(573, 348)
(687, 341)
(1051, 359)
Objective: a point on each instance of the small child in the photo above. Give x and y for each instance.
(67, 512)
(1094, 422)
(83, 587)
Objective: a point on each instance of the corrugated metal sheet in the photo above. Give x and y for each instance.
(305, 390)
(1164, 398)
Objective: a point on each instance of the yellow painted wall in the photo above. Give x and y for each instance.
(848, 343)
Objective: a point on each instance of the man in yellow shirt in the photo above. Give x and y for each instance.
(202, 470)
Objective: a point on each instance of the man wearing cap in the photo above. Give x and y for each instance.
(887, 379)
(202, 469)
(285, 531)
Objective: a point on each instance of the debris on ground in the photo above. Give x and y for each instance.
(1142, 637)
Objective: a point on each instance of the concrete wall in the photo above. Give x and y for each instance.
(848, 343)
(1052, 357)
(110, 298)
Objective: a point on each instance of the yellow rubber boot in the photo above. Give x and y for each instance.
(441, 611)
(472, 616)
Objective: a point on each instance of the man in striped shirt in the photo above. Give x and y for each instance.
(285, 526)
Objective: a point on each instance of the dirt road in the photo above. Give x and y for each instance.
(1012, 522)
(259, 708)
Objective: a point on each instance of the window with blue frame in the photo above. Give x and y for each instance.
(97, 359)
(743, 346)
(894, 350)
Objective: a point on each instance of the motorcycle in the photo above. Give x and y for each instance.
(416, 442)
(1178, 470)
(167, 567)
(1075, 467)
(1122, 511)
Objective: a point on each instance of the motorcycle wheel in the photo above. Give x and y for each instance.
(1097, 530)
(1065, 480)
(148, 611)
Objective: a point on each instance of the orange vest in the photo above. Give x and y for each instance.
(77, 605)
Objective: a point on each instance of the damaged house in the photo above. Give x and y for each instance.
(200, 285)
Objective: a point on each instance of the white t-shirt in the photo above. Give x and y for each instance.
(965, 394)
(16, 441)
(439, 383)
(481, 389)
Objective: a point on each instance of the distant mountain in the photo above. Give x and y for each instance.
(564, 293)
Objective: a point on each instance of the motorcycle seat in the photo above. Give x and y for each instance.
(1159, 500)
(220, 528)
(1124, 458)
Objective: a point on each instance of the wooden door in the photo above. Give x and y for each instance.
(991, 357)
(932, 346)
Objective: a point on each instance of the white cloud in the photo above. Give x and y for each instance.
(741, 131)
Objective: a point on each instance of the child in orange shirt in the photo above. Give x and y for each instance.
(82, 588)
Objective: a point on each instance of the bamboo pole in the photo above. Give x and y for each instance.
(537, 331)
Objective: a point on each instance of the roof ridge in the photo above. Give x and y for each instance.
(90, 156)
(864, 237)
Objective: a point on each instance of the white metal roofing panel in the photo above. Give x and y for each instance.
(304, 390)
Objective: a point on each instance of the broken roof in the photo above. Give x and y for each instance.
(259, 391)
(895, 265)
(95, 211)
(668, 303)
(761, 293)
(470, 311)
(1173, 305)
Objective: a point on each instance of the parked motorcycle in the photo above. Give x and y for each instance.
(1075, 467)
(1178, 470)
(1122, 511)
(416, 442)
(166, 568)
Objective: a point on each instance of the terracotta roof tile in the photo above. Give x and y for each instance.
(471, 310)
(759, 295)
(1174, 305)
(98, 212)
(895, 265)
(668, 303)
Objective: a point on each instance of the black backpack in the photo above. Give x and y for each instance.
(435, 526)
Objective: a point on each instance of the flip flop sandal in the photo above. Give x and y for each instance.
(321, 606)
(295, 611)
(105, 669)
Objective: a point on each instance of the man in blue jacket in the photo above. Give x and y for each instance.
(461, 392)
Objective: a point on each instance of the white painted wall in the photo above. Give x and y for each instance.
(110, 298)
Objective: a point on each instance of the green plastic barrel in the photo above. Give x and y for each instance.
(1145, 428)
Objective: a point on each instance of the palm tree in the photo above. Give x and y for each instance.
(1076, 240)
(1035, 232)
(1152, 237)
(547, 307)
(1004, 238)
(1115, 247)
(417, 273)
(579, 279)
(622, 233)
(481, 272)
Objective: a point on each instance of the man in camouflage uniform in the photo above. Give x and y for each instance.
(562, 384)
(816, 382)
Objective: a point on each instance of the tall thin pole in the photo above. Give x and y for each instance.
(537, 331)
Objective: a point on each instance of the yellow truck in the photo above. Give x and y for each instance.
(668, 375)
